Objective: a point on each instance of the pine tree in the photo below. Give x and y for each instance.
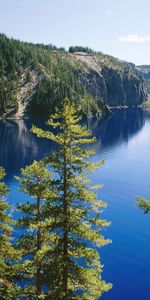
(75, 270)
(143, 204)
(36, 240)
(8, 255)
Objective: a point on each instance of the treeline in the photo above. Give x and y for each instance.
(55, 253)
(87, 50)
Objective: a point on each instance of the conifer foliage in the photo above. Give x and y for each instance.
(74, 272)
(143, 204)
(35, 242)
(8, 269)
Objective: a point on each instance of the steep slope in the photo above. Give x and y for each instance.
(144, 72)
(115, 82)
(36, 78)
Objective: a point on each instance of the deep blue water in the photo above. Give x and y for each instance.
(123, 140)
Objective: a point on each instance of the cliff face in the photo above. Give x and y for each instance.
(123, 88)
(144, 72)
(113, 86)
(34, 79)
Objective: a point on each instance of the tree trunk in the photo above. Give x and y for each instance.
(65, 248)
(38, 272)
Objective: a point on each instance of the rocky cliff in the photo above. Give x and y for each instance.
(34, 79)
(144, 72)
(115, 85)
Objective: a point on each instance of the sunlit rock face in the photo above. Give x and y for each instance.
(114, 88)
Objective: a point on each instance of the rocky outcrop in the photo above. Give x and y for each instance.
(112, 86)
(123, 88)
(144, 72)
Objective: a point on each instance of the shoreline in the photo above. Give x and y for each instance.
(17, 117)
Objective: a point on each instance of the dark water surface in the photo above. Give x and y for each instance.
(123, 140)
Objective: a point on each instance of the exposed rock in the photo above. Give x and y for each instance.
(111, 86)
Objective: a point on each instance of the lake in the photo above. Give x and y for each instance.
(123, 140)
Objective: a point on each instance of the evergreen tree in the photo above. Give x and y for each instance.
(36, 240)
(8, 255)
(75, 270)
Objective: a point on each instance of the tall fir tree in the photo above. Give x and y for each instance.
(36, 240)
(75, 270)
(8, 255)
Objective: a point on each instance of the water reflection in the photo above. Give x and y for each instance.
(117, 128)
(19, 147)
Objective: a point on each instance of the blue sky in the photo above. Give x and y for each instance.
(117, 27)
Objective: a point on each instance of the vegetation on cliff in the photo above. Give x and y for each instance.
(35, 78)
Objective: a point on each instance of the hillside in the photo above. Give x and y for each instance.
(35, 79)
